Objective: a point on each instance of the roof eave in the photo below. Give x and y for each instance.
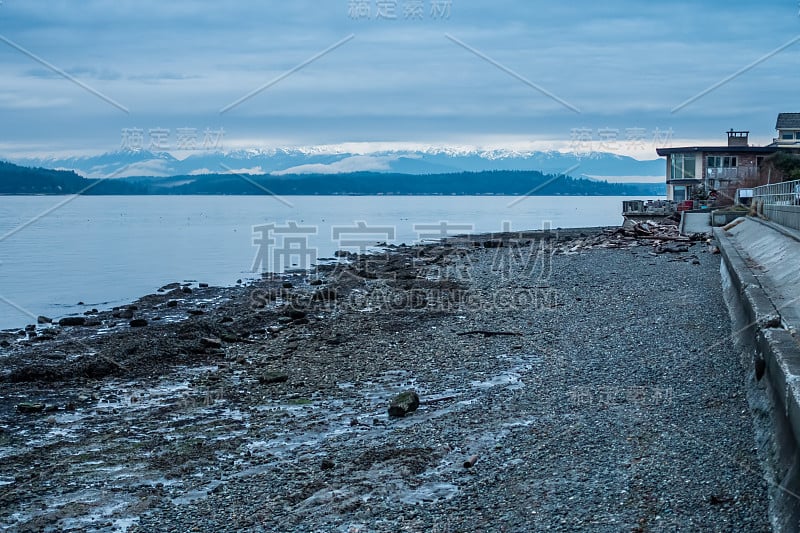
(695, 149)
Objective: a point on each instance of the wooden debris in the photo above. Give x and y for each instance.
(490, 333)
(671, 248)
(432, 401)
(469, 463)
(29, 407)
(634, 235)
(731, 225)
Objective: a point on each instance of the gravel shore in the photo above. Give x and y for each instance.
(598, 387)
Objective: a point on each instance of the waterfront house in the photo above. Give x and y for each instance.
(788, 126)
(693, 172)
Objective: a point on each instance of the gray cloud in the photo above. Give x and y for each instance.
(624, 64)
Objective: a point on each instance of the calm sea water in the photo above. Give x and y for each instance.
(104, 251)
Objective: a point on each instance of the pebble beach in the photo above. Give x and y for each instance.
(564, 384)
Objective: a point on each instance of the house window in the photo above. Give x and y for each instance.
(787, 135)
(678, 194)
(759, 160)
(682, 167)
(715, 161)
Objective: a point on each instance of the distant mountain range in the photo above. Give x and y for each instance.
(16, 179)
(127, 163)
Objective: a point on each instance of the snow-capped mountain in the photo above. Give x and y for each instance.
(128, 163)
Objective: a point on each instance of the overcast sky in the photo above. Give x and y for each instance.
(624, 75)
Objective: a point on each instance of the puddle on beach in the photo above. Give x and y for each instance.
(110, 414)
(429, 492)
(511, 379)
(119, 400)
(268, 435)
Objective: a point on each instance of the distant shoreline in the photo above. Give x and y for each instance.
(342, 194)
(19, 180)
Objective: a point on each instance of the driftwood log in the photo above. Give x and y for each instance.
(490, 333)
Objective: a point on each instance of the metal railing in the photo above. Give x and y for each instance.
(731, 174)
(785, 193)
(779, 203)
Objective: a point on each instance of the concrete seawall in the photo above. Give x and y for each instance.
(787, 215)
(759, 266)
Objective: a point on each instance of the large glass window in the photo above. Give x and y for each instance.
(715, 161)
(678, 193)
(682, 167)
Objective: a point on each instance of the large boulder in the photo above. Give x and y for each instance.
(404, 403)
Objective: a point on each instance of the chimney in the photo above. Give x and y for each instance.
(737, 138)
